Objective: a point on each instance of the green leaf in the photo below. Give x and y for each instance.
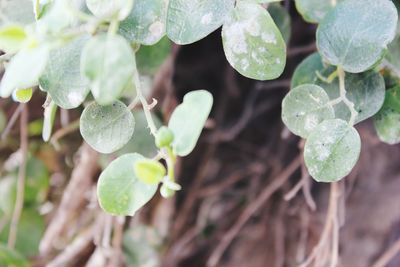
(149, 171)
(355, 34)
(304, 107)
(332, 150)
(16, 12)
(366, 90)
(282, 20)
(164, 137)
(119, 190)
(58, 16)
(150, 58)
(12, 38)
(306, 71)
(9, 257)
(62, 78)
(191, 20)
(108, 63)
(387, 120)
(393, 56)
(188, 119)
(106, 9)
(315, 10)
(24, 70)
(49, 116)
(146, 23)
(22, 95)
(107, 128)
(252, 42)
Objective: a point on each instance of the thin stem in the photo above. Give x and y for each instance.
(112, 30)
(346, 101)
(19, 203)
(143, 101)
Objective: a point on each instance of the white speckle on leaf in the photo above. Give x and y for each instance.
(269, 38)
(311, 122)
(75, 98)
(235, 37)
(156, 29)
(253, 28)
(245, 63)
(207, 18)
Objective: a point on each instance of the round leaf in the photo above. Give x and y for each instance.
(149, 171)
(282, 20)
(355, 34)
(17, 12)
(22, 95)
(164, 137)
(332, 150)
(366, 90)
(119, 190)
(108, 63)
(188, 119)
(304, 107)
(252, 42)
(62, 78)
(387, 120)
(107, 9)
(150, 58)
(306, 71)
(191, 20)
(146, 23)
(107, 128)
(315, 10)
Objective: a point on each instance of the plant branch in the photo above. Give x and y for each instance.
(346, 101)
(19, 203)
(388, 255)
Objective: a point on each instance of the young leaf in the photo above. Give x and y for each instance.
(188, 119)
(149, 171)
(119, 190)
(366, 90)
(306, 71)
(332, 150)
(282, 20)
(49, 115)
(22, 95)
(108, 63)
(386, 121)
(315, 10)
(252, 43)
(62, 78)
(12, 38)
(24, 70)
(146, 23)
(304, 107)
(106, 9)
(355, 34)
(107, 128)
(191, 20)
(164, 137)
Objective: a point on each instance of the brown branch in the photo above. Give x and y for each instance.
(73, 197)
(251, 209)
(388, 255)
(12, 121)
(19, 203)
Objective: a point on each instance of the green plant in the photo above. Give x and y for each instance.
(91, 54)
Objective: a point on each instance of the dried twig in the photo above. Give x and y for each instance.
(19, 203)
(12, 121)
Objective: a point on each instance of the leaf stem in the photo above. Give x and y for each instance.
(113, 28)
(143, 101)
(346, 101)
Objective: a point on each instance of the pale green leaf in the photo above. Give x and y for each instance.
(150, 58)
(12, 38)
(49, 116)
(164, 137)
(119, 190)
(24, 70)
(191, 20)
(387, 120)
(315, 10)
(355, 34)
(366, 90)
(304, 107)
(306, 71)
(108, 63)
(107, 128)
(16, 12)
(146, 23)
(106, 9)
(252, 42)
(188, 119)
(332, 150)
(62, 78)
(149, 171)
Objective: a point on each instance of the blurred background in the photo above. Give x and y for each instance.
(246, 199)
